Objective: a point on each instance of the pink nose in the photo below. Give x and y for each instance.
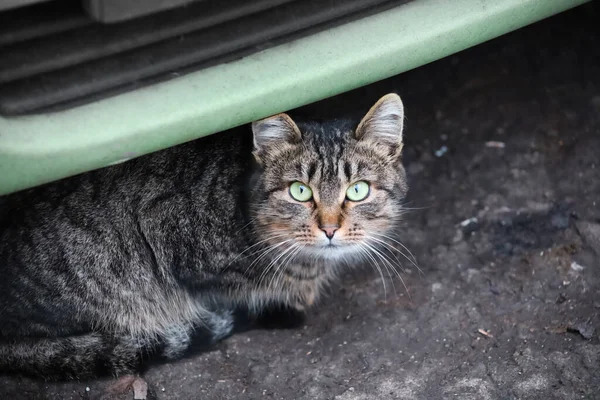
(329, 230)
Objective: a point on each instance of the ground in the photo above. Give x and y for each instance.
(502, 154)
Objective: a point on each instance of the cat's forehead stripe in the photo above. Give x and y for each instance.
(347, 170)
(312, 170)
(329, 147)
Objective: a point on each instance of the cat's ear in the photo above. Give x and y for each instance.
(384, 123)
(274, 133)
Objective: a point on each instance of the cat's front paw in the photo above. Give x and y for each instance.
(220, 324)
(214, 327)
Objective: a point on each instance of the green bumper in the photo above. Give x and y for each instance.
(45, 147)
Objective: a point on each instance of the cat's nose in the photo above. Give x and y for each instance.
(329, 230)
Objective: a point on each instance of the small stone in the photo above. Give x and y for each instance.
(495, 144)
(585, 329)
(591, 234)
(468, 221)
(140, 389)
(577, 267)
(441, 151)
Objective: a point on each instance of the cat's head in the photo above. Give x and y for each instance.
(329, 190)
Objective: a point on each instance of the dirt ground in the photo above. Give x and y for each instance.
(502, 154)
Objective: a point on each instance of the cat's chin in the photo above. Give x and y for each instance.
(333, 251)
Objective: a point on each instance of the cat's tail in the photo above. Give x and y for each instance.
(73, 357)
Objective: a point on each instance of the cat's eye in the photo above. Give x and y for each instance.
(300, 192)
(358, 191)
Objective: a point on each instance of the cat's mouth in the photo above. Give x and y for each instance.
(335, 251)
(335, 247)
(332, 246)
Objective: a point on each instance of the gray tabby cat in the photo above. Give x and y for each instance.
(101, 270)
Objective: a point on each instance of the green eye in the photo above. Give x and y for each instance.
(300, 192)
(358, 191)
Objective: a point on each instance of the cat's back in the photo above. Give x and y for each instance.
(69, 246)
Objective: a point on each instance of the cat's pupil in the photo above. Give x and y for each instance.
(356, 188)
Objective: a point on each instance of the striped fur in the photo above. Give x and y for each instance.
(106, 269)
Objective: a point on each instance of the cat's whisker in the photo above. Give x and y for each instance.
(404, 206)
(385, 264)
(250, 247)
(372, 246)
(275, 260)
(266, 251)
(281, 267)
(246, 225)
(263, 255)
(413, 260)
(375, 265)
(391, 249)
(391, 264)
(272, 264)
(260, 243)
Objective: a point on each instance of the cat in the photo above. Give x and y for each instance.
(102, 269)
